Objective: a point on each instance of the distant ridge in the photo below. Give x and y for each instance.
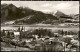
(59, 13)
(10, 12)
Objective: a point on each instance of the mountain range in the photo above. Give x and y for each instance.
(10, 12)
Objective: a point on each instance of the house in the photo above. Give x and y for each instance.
(46, 37)
(40, 41)
(27, 40)
(56, 34)
(51, 39)
(75, 42)
(15, 40)
(42, 38)
(16, 34)
(70, 36)
(62, 24)
(36, 36)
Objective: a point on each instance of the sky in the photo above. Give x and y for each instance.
(67, 7)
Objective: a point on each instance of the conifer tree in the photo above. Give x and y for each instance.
(19, 28)
(3, 33)
(8, 34)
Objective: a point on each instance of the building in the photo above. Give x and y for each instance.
(16, 34)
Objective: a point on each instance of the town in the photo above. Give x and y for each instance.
(41, 39)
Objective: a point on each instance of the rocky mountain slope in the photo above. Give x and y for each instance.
(25, 15)
(20, 15)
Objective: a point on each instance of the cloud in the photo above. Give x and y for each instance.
(47, 5)
(46, 10)
(63, 6)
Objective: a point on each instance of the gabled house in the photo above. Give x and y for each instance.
(16, 34)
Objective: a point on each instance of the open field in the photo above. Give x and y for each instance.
(15, 49)
(9, 47)
(28, 27)
(42, 25)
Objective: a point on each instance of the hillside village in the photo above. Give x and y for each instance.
(41, 38)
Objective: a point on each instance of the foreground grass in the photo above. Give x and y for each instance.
(5, 47)
(15, 49)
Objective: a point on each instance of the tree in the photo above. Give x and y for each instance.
(22, 28)
(67, 40)
(20, 36)
(71, 33)
(65, 32)
(24, 43)
(12, 35)
(68, 33)
(62, 32)
(3, 33)
(18, 29)
(8, 35)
